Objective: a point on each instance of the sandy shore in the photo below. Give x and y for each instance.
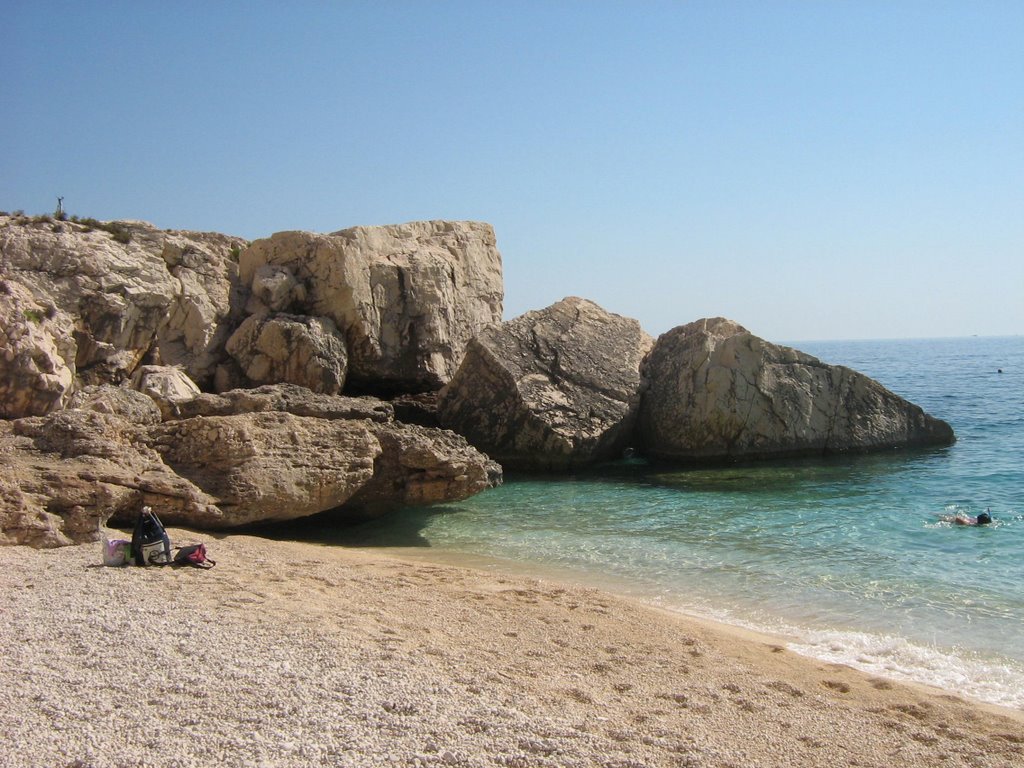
(291, 654)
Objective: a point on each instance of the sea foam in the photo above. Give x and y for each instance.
(971, 673)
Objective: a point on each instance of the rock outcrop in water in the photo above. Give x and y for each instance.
(715, 391)
(553, 389)
(421, 465)
(202, 376)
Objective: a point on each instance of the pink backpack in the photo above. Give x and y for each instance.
(194, 554)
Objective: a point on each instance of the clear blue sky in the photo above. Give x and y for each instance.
(813, 170)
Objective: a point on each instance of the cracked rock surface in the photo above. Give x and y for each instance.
(552, 389)
(86, 308)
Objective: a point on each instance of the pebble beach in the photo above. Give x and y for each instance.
(295, 654)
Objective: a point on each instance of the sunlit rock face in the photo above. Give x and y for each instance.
(113, 333)
(260, 467)
(713, 390)
(37, 353)
(104, 301)
(406, 298)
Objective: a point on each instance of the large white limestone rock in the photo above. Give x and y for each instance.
(261, 467)
(407, 298)
(167, 386)
(133, 292)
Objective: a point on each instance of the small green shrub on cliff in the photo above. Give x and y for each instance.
(34, 316)
(115, 229)
(118, 230)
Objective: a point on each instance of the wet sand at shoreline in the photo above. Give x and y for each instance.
(293, 654)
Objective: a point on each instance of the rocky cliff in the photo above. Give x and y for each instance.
(373, 309)
(89, 305)
(207, 378)
(95, 313)
(221, 461)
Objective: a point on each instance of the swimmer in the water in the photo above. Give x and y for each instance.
(961, 519)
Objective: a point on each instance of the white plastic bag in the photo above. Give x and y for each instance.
(116, 551)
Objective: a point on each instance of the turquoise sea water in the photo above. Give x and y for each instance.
(847, 557)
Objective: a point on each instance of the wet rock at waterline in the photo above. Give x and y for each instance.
(421, 465)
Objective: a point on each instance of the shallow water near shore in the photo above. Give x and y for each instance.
(848, 557)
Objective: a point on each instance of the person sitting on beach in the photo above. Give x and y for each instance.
(961, 519)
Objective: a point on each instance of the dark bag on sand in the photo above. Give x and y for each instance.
(194, 555)
(150, 543)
